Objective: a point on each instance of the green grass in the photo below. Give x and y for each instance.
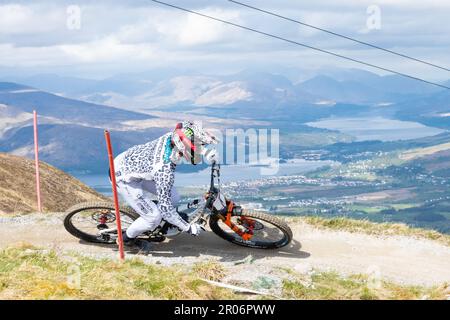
(27, 272)
(374, 228)
(401, 206)
(366, 208)
(30, 273)
(361, 169)
(210, 270)
(329, 285)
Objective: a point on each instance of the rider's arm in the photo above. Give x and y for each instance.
(164, 180)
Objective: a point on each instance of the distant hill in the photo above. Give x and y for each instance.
(59, 190)
(251, 93)
(432, 109)
(159, 88)
(71, 131)
(27, 99)
(73, 147)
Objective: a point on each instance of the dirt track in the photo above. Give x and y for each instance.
(400, 259)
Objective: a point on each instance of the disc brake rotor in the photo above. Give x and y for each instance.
(102, 218)
(250, 224)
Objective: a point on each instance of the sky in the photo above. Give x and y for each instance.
(103, 38)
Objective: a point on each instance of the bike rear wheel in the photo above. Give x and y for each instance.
(86, 221)
(269, 232)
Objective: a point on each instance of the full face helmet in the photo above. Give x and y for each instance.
(191, 140)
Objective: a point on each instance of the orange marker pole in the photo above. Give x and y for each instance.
(116, 198)
(36, 162)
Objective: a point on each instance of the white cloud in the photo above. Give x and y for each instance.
(130, 34)
(21, 19)
(198, 30)
(107, 49)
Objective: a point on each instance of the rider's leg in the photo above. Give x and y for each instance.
(150, 216)
(139, 226)
(149, 186)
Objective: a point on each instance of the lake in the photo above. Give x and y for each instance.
(377, 128)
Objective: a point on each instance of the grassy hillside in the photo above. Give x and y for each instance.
(373, 228)
(18, 191)
(30, 273)
(27, 272)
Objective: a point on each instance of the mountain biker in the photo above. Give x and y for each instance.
(149, 169)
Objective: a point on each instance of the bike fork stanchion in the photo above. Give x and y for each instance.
(116, 198)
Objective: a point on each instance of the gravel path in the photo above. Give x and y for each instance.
(400, 259)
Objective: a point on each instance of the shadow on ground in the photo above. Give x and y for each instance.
(208, 244)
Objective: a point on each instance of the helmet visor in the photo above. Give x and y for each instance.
(193, 148)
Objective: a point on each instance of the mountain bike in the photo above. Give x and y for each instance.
(95, 221)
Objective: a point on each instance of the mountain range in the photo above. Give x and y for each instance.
(73, 111)
(166, 87)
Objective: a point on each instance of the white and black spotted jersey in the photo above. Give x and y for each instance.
(151, 161)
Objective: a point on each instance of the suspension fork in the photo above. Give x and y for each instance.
(227, 220)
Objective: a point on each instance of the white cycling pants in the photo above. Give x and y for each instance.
(138, 194)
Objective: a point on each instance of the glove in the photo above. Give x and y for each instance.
(195, 229)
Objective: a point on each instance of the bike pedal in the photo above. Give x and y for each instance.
(156, 239)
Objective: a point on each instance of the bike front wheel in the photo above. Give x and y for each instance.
(267, 231)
